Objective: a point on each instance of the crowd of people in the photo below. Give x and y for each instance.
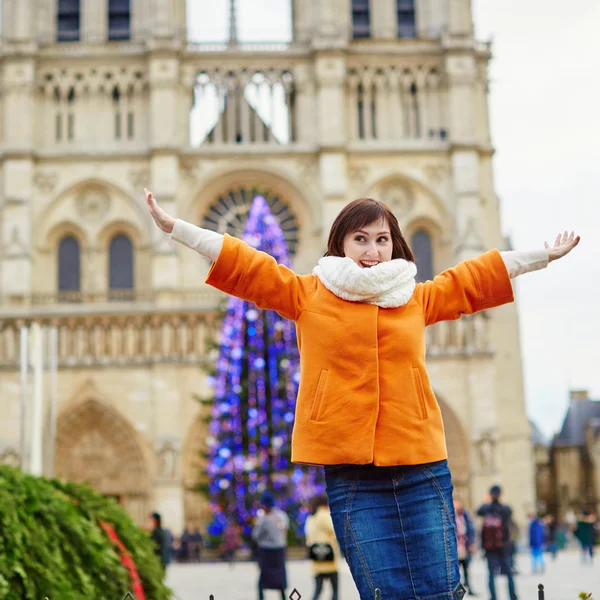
(496, 535)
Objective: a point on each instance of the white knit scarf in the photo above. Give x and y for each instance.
(387, 285)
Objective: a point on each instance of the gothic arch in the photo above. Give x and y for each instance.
(413, 196)
(95, 444)
(305, 206)
(63, 229)
(95, 202)
(459, 450)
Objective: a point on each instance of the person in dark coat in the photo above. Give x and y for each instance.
(585, 533)
(159, 538)
(496, 540)
(270, 535)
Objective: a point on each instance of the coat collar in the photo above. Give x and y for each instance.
(387, 285)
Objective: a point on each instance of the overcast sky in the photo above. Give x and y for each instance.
(545, 94)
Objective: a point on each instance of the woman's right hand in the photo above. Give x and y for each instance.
(164, 221)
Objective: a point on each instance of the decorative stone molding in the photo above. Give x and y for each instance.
(167, 458)
(307, 168)
(139, 178)
(93, 204)
(485, 449)
(436, 172)
(358, 173)
(398, 196)
(190, 169)
(45, 181)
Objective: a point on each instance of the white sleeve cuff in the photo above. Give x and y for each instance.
(518, 262)
(204, 241)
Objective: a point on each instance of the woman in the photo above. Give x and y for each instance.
(365, 407)
(270, 535)
(323, 547)
(465, 538)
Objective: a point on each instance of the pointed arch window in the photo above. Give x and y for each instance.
(361, 19)
(69, 267)
(423, 250)
(405, 10)
(120, 265)
(68, 20)
(119, 20)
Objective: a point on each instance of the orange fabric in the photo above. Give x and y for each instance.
(364, 395)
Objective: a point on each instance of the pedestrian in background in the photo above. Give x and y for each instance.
(551, 535)
(495, 540)
(270, 535)
(536, 544)
(465, 538)
(323, 549)
(232, 542)
(158, 536)
(585, 533)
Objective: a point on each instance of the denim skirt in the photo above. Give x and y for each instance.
(397, 529)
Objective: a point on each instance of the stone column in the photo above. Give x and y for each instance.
(166, 134)
(330, 70)
(460, 18)
(17, 179)
(332, 23)
(303, 23)
(18, 17)
(460, 70)
(94, 22)
(383, 19)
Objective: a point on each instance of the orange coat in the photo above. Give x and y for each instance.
(364, 394)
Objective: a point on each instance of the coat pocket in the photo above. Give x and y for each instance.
(316, 405)
(420, 394)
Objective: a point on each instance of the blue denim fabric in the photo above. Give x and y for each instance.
(397, 529)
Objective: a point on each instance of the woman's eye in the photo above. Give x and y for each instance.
(360, 238)
(383, 239)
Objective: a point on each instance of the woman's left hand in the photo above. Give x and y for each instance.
(563, 244)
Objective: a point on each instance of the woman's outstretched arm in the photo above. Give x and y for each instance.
(204, 241)
(520, 262)
(238, 269)
(484, 281)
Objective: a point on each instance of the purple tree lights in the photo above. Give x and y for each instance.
(256, 384)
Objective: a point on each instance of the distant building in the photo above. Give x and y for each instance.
(568, 468)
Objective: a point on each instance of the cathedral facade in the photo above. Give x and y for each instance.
(100, 98)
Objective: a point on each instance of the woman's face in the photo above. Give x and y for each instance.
(370, 245)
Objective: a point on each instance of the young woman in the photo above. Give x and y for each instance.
(365, 407)
(323, 545)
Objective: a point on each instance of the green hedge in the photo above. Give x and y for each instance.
(51, 543)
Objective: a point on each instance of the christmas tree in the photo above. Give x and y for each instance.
(256, 383)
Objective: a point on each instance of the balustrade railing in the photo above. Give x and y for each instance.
(147, 336)
(395, 103)
(242, 105)
(117, 339)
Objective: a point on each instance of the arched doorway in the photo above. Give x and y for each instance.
(459, 452)
(95, 444)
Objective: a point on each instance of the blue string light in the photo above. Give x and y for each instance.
(258, 371)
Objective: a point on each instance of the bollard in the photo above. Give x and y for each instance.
(541, 595)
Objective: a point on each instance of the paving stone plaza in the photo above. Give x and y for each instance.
(563, 580)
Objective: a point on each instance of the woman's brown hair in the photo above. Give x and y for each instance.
(359, 214)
